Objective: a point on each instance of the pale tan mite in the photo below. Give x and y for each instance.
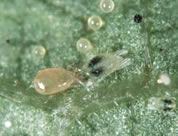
(53, 80)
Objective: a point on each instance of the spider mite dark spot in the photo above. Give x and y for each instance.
(94, 61)
(97, 71)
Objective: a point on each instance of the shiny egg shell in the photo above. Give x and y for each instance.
(53, 80)
(95, 22)
(107, 6)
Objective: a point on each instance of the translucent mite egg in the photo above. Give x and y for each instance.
(84, 45)
(53, 80)
(107, 6)
(95, 22)
(39, 51)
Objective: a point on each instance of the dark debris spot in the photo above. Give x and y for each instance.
(138, 18)
(161, 49)
(7, 41)
(94, 61)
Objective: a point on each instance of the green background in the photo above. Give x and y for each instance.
(118, 106)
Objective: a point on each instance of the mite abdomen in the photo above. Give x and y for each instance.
(53, 80)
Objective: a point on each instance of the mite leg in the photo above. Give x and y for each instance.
(84, 85)
(121, 52)
(124, 63)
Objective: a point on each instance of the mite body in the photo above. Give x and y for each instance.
(53, 80)
(102, 65)
(164, 104)
(99, 66)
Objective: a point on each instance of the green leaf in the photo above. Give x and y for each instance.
(119, 104)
